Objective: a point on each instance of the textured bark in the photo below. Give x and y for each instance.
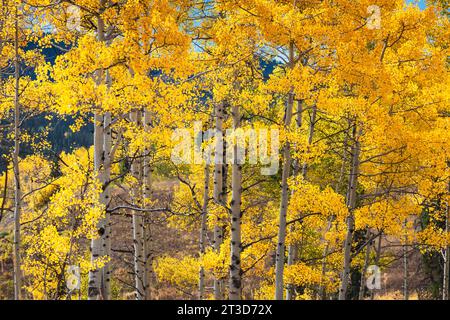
(281, 243)
(148, 235)
(137, 220)
(203, 230)
(351, 204)
(106, 197)
(405, 266)
(220, 173)
(95, 276)
(17, 187)
(94, 284)
(445, 284)
(235, 285)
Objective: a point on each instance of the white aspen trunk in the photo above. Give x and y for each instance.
(235, 284)
(362, 287)
(281, 243)
(106, 197)
(445, 284)
(219, 188)
(405, 266)
(351, 203)
(95, 276)
(203, 230)
(137, 220)
(94, 285)
(148, 236)
(17, 188)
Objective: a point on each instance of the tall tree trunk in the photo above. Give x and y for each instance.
(203, 230)
(445, 284)
(148, 235)
(94, 285)
(236, 246)
(95, 275)
(281, 244)
(351, 204)
(17, 189)
(293, 249)
(137, 220)
(219, 188)
(405, 265)
(106, 197)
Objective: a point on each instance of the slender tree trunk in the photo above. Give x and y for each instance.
(94, 285)
(148, 235)
(293, 249)
(405, 266)
(445, 284)
(219, 188)
(137, 220)
(17, 189)
(95, 275)
(281, 244)
(235, 285)
(106, 197)
(203, 230)
(351, 203)
(362, 287)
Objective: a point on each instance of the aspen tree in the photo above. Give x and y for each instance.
(148, 235)
(235, 285)
(445, 284)
(219, 186)
(286, 169)
(137, 219)
(95, 275)
(17, 186)
(405, 270)
(351, 203)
